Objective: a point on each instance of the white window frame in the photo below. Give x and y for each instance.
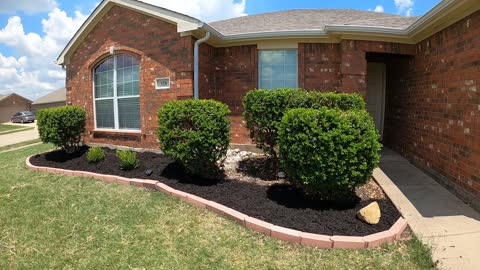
(115, 98)
(282, 49)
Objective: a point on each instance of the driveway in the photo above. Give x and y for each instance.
(20, 136)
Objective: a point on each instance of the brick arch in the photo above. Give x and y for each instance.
(105, 54)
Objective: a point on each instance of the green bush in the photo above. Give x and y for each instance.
(264, 109)
(95, 154)
(328, 150)
(62, 126)
(196, 133)
(127, 159)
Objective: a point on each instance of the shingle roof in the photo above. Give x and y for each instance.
(55, 96)
(309, 19)
(4, 97)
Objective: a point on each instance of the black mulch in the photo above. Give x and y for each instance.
(279, 204)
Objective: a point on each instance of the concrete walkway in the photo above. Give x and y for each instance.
(21, 136)
(440, 219)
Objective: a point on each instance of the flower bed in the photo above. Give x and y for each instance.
(269, 202)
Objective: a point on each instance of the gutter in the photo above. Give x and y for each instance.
(196, 64)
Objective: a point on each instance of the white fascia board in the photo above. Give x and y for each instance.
(184, 23)
(420, 22)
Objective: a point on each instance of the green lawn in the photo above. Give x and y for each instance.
(7, 129)
(17, 145)
(50, 221)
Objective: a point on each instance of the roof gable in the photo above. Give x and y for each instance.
(55, 96)
(3, 98)
(183, 22)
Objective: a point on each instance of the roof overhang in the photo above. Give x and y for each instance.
(444, 14)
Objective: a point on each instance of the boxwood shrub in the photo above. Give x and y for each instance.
(264, 109)
(95, 154)
(62, 126)
(196, 133)
(326, 151)
(127, 159)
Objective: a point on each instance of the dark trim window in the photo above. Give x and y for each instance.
(277, 69)
(117, 93)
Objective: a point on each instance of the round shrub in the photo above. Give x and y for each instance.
(62, 126)
(326, 151)
(127, 159)
(95, 154)
(196, 133)
(264, 109)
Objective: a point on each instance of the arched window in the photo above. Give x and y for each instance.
(117, 93)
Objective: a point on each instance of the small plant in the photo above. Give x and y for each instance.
(328, 151)
(127, 159)
(196, 133)
(62, 126)
(95, 154)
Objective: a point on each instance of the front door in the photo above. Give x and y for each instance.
(376, 94)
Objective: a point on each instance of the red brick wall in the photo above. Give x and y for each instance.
(233, 72)
(319, 66)
(162, 53)
(434, 110)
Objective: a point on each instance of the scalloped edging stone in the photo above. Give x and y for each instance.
(257, 225)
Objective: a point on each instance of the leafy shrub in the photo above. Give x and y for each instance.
(328, 150)
(127, 159)
(264, 109)
(62, 126)
(196, 133)
(95, 154)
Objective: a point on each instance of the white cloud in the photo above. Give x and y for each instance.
(28, 6)
(404, 6)
(208, 11)
(33, 73)
(379, 8)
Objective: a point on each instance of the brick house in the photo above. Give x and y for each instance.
(420, 76)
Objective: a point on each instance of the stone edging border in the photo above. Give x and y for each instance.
(285, 234)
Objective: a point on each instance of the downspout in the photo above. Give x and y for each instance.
(195, 63)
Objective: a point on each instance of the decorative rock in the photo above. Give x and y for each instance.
(370, 214)
(281, 175)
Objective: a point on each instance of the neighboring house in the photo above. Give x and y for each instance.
(419, 76)
(11, 104)
(53, 99)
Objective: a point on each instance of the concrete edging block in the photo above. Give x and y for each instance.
(316, 240)
(258, 225)
(348, 242)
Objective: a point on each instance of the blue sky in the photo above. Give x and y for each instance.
(33, 32)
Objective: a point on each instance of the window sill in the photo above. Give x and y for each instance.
(119, 131)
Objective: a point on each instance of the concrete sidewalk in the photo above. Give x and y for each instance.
(440, 219)
(21, 136)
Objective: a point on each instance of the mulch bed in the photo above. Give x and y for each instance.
(277, 203)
